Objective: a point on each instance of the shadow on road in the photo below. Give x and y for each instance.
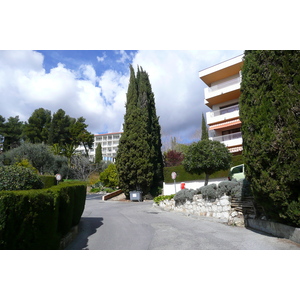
(87, 227)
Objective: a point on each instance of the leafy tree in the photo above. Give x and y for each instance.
(59, 130)
(12, 133)
(37, 128)
(110, 176)
(207, 157)
(98, 154)
(270, 114)
(80, 135)
(204, 130)
(133, 160)
(173, 158)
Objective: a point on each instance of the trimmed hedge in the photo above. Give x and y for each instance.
(183, 175)
(48, 180)
(38, 219)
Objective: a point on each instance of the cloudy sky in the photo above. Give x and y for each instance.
(93, 84)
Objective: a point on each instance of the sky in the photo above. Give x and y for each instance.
(93, 84)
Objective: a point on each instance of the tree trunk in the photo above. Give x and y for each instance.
(206, 179)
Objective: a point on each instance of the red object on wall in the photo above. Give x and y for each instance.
(182, 185)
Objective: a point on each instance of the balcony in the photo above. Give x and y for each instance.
(222, 91)
(224, 114)
(230, 140)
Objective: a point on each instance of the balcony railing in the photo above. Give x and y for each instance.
(225, 84)
(227, 137)
(224, 111)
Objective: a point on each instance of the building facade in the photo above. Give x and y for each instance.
(222, 96)
(109, 144)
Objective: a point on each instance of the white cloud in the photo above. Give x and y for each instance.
(101, 58)
(124, 57)
(25, 86)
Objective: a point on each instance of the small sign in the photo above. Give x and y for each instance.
(174, 175)
(58, 177)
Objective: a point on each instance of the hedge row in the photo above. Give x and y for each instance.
(38, 219)
(183, 175)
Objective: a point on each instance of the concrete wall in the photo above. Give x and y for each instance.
(169, 188)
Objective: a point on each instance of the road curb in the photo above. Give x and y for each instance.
(276, 229)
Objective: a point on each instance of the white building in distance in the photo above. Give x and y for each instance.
(109, 143)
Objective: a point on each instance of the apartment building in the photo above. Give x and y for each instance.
(222, 96)
(109, 143)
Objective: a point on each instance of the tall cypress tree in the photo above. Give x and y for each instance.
(146, 100)
(204, 130)
(139, 159)
(133, 157)
(270, 114)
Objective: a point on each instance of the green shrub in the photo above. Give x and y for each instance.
(48, 180)
(28, 220)
(162, 197)
(227, 188)
(18, 178)
(209, 192)
(110, 176)
(38, 219)
(184, 195)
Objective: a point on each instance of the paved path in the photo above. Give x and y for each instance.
(113, 225)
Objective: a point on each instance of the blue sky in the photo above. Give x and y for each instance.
(93, 84)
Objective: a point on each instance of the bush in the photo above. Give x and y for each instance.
(227, 188)
(209, 191)
(48, 180)
(28, 220)
(110, 176)
(162, 197)
(184, 195)
(38, 219)
(18, 178)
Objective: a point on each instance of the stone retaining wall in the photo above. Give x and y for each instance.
(219, 208)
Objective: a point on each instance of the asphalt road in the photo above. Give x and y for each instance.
(123, 225)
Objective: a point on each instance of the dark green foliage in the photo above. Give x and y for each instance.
(270, 115)
(48, 180)
(204, 130)
(11, 131)
(28, 220)
(37, 128)
(14, 178)
(37, 219)
(139, 158)
(98, 155)
(183, 175)
(207, 157)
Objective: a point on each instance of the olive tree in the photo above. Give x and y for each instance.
(207, 157)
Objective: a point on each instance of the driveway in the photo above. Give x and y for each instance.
(124, 225)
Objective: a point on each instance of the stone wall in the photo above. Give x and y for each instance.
(219, 208)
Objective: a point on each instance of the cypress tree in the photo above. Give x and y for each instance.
(204, 130)
(139, 159)
(270, 114)
(146, 101)
(133, 157)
